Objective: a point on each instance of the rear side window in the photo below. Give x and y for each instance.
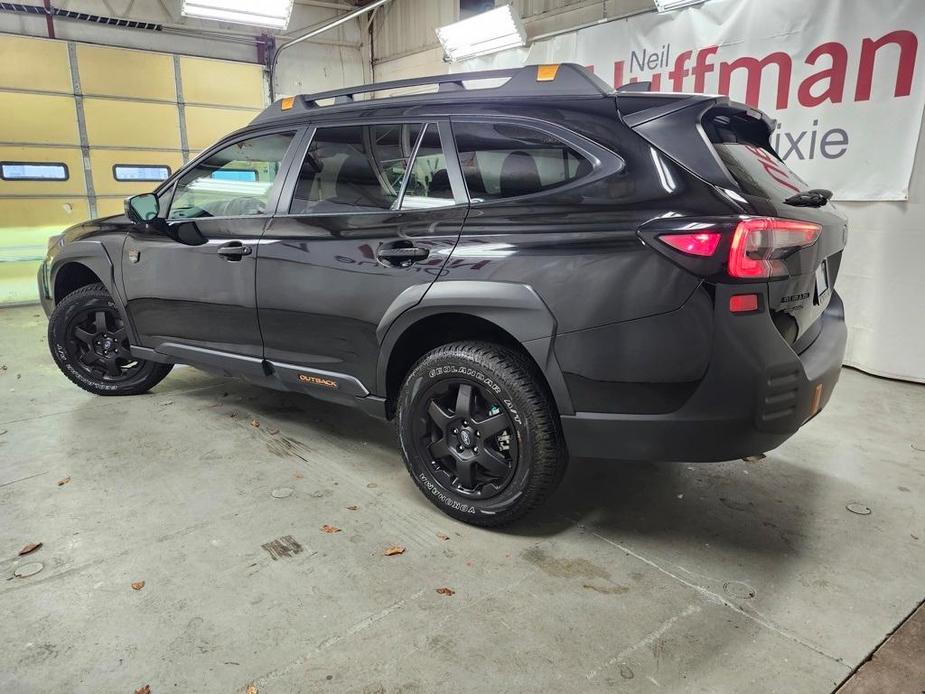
(742, 144)
(428, 181)
(354, 168)
(500, 160)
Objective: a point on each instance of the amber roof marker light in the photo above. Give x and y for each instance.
(546, 73)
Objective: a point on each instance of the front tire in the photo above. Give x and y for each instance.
(479, 433)
(89, 342)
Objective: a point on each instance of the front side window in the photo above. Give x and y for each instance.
(365, 168)
(233, 182)
(500, 160)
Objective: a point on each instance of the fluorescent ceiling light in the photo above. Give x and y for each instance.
(273, 14)
(488, 32)
(668, 5)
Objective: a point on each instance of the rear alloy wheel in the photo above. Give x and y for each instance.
(89, 342)
(479, 433)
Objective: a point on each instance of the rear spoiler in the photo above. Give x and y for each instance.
(668, 122)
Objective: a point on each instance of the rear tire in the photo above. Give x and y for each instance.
(479, 432)
(89, 342)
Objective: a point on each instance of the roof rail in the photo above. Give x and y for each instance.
(562, 80)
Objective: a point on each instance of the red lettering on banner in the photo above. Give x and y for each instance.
(908, 46)
(753, 68)
(829, 82)
(834, 74)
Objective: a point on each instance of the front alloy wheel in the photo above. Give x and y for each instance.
(89, 342)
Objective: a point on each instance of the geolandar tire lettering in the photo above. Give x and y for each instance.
(479, 432)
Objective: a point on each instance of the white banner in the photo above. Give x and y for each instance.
(841, 77)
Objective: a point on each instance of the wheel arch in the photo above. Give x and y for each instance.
(83, 263)
(71, 276)
(510, 314)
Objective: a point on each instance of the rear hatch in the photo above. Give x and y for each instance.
(801, 238)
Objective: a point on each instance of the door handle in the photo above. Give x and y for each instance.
(401, 256)
(234, 251)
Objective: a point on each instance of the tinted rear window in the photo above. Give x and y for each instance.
(742, 144)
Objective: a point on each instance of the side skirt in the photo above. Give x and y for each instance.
(324, 385)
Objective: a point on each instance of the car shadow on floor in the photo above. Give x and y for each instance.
(762, 507)
(765, 507)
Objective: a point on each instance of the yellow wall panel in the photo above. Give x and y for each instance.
(57, 213)
(106, 207)
(104, 182)
(132, 124)
(205, 126)
(38, 64)
(27, 224)
(222, 83)
(38, 118)
(122, 72)
(74, 185)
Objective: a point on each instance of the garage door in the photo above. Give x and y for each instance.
(85, 126)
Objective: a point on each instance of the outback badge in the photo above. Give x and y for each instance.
(318, 381)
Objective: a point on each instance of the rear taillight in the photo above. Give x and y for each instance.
(731, 248)
(759, 245)
(702, 243)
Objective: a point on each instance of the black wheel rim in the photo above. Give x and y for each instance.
(98, 345)
(467, 437)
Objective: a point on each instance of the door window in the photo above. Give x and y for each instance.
(428, 181)
(234, 182)
(500, 160)
(362, 168)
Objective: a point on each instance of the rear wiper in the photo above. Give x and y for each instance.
(817, 197)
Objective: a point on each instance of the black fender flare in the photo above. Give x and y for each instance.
(95, 257)
(515, 308)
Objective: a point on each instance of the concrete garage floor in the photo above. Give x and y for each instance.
(731, 577)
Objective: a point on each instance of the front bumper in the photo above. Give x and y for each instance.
(756, 393)
(45, 297)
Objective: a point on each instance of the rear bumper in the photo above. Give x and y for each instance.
(755, 394)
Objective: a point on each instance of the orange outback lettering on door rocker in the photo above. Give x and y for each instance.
(318, 381)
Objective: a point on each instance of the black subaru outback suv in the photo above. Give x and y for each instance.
(515, 273)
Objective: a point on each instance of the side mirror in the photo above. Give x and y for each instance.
(143, 208)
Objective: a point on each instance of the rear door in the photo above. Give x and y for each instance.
(374, 209)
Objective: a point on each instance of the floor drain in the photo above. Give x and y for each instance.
(281, 492)
(859, 509)
(29, 569)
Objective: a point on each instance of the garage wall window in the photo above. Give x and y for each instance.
(33, 171)
(140, 172)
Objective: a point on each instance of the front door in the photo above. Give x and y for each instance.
(191, 289)
(375, 212)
